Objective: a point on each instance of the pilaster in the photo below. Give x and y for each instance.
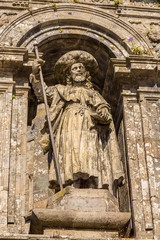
(17, 181)
(6, 91)
(15, 63)
(149, 99)
(134, 92)
(137, 169)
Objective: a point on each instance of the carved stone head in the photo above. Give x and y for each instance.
(78, 65)
(78, 72)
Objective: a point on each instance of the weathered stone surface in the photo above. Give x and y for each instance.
(49, 237)
(6, 88)
(106, 31)
(81, 234)
(77, 219)
(87, 199)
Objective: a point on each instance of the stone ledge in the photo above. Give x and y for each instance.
(50, 218)
(47, 237)
(81, 234)
(14, 59)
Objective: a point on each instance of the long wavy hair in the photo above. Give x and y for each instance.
(88, 83)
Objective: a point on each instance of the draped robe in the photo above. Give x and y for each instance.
(85, 142)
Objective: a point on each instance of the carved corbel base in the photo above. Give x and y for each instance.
(90, 210)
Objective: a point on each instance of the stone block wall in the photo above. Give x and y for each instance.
(125, 39)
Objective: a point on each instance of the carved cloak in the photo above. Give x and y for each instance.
(86, 144)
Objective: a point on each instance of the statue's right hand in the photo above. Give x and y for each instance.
(36, 66)
(35, 70)
(33, 79)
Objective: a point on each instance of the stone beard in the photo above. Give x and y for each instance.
(85, 138)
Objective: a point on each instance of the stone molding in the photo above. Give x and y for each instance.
(130, 73)
(94, 18)
(14, 60)
(6, 86)
(49, 237)
(78, 219)
(139, 64)
(22, 4)
(22, 90)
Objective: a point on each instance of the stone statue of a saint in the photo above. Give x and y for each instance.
(84, 133)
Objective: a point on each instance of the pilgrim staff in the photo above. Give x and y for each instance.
(55, 158)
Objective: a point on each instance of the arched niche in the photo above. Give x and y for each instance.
(84, 20)
(71, 27)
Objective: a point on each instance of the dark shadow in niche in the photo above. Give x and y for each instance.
(104, 134)
(32, 106)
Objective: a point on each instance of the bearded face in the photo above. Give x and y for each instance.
(78, 72)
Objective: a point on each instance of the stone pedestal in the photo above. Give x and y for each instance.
(83, 200)
(88, 210)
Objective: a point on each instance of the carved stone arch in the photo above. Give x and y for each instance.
(73, 18)
(73, 27)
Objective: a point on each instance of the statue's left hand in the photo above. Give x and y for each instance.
(104, 114)
(121, 181)
(116, 184)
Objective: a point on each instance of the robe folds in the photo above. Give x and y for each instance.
(85, 142)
